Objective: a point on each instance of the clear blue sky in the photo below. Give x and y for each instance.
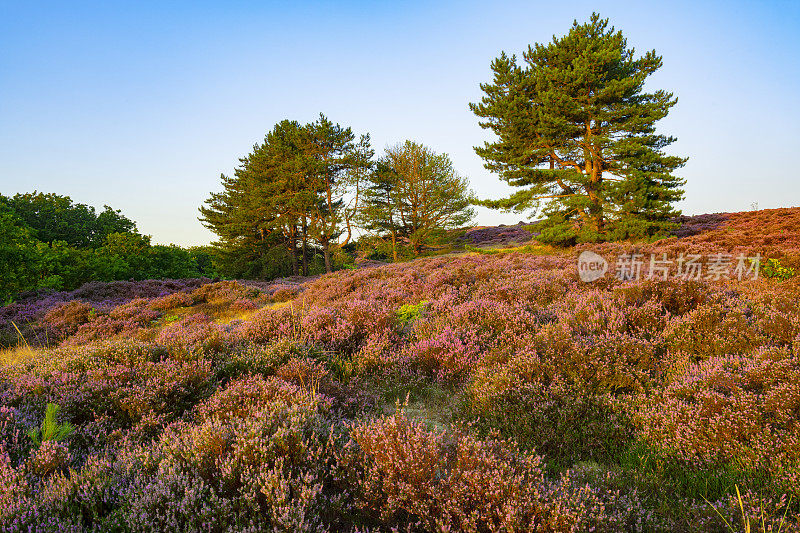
(141, 105)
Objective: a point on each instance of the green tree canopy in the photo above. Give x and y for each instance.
(49, 242)
(413, 192)
(53, 217)
(336, 165)
(18, 256)
(296, 189)
(575, 128)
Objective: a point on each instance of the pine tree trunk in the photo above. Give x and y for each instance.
(293, 250)
(305, 247)
(600, 219)
(595, 177)
(597, 204)
(326, 249)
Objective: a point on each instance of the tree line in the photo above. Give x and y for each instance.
(47, 241)
(298, 200)
(574, 130)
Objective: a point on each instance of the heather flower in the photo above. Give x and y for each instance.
(64, 319)
(192, 335)
(47, 458)
(172, 301)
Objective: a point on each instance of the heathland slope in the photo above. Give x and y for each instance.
(483, 391)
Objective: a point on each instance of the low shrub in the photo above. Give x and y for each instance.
(65, 319)
(172, 301)
(411, 478)
(265, 471)
(284, 294)
(248, 358)
(565, 424)
(738, 409)
(192, 336)
(129, 319)
(772, 268)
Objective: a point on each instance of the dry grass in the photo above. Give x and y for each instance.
(219, 312)
(16, 355)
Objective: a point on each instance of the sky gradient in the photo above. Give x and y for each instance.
(142, 105)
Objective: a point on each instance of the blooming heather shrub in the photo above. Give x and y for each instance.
(677, 297)
(596, 364)
(123, 291)
(245, 397)
(303, 372)
(259, 359)
(552, 417)
(13, 434)
(129, 319)
(415, 479)
(449, 355)
(224, 291)
(344, 329)
(715, 329)
(102, 293)
(84, 499)
(778, 318)
(263, 472)
(694, 225)
(133, 394)
(13, 487)
(379, 353)
(29, 311)
(773, 232)
(192, 336)
(269, 324)
(136, 310)
(64, 319)
(284, 293)
(47, 458)
(243, 304)
(738, 409)
(172, 301)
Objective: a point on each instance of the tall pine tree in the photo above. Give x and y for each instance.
(576, 130)
(257, 215)
(299, 187)
(336, 165)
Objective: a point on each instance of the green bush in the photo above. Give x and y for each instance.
(409, 312)
(772, 268)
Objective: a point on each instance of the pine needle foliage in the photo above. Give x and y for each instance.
(576, 132)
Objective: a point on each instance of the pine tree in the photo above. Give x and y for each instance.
(257, 213)
(298, 187)
(414, 192)
(576, 130)
(334, 164)
(382, 205)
